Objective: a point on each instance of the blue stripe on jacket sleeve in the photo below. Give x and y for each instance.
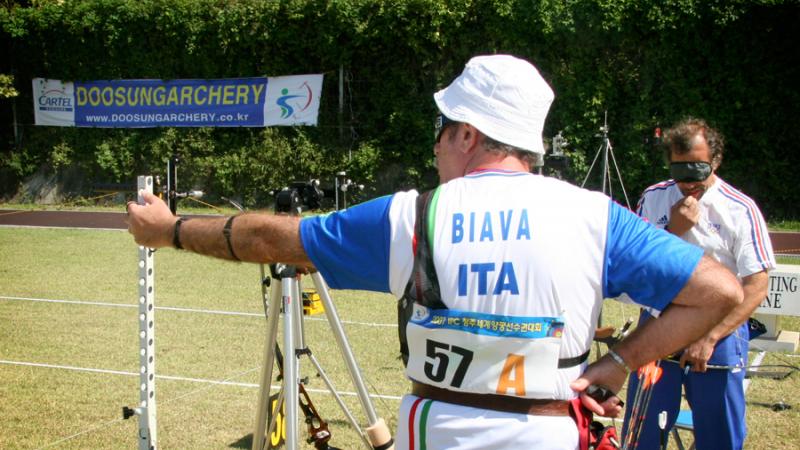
(350, 248)
(649, 264)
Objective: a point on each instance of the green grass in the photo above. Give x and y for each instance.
(785, 225)
(40, 406)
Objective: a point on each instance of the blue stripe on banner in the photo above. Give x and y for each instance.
(492, 325)
(234, 102)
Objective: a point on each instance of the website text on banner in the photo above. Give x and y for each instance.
(231, 102)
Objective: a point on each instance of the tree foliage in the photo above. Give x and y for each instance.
(647, 63)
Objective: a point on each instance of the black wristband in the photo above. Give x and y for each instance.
(385, 446)
(176, 233)
(226, 231)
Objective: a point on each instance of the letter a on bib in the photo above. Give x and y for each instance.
(516, 364)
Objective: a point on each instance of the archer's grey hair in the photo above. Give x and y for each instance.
(497, 147)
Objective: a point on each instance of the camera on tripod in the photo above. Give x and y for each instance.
(299, 196)
(556, 161)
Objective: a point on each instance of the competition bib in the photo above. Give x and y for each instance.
(484, 353)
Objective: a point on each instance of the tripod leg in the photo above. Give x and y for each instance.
(259, 432)
(377, 431)
(291, 392)
(338, 399)
(301, 345)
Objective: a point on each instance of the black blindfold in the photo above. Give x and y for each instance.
(690, 172)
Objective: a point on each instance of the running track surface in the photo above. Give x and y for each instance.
(64, 219)
(782, 242)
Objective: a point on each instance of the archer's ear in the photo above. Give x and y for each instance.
(469, 138)
(716, 162)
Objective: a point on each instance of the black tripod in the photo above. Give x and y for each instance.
(606, 150)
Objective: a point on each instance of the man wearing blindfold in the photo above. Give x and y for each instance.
(701, 208)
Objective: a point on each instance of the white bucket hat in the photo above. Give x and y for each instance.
(502, 96)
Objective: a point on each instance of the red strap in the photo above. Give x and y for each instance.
(582, 418)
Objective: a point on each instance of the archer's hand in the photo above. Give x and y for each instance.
(605, 373)
(697, 354)
(151, 224)
(684, 214)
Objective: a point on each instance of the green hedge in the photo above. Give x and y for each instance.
(646, 62)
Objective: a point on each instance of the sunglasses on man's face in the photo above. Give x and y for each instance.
(690, 172)
(439, 126)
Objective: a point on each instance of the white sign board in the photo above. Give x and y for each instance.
(783, 296)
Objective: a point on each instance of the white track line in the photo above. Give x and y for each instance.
(170, 308)
(176, 378)
(754, 365)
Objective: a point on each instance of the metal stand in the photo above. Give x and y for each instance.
(341, 185)
(171, 193)
(172, 183)
(607, 150)
(147, 352)
(376, 435)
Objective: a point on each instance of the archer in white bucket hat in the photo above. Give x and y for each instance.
(502, 96)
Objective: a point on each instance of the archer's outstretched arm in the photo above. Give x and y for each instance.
(258, 238)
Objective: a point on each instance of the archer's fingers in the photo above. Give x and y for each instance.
(591, 404)
(149, 197)
(610, 407)
(580, 385)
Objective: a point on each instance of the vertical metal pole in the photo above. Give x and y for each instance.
(172, 183)
(299, 333)
(291, 389)
(336, 191)
(344, 193)
(606, 173)
(341, 180)
(147, 352)
(605, 164)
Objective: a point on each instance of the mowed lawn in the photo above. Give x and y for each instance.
(69, 348)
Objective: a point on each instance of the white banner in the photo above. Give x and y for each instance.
(292, 100)
(231, 102)
(54, 102)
